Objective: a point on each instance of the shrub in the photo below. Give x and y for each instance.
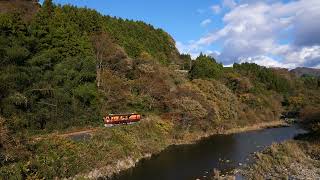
(311, 118)
(190, 110)
(11, 147)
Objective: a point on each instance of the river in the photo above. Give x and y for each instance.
(196, 161)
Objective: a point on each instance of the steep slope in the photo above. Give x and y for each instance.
(52, 62)
(139, 38)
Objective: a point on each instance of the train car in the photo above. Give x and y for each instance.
(116, 119)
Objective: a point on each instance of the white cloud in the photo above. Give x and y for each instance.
(229, 3)
(306, 56)
(188, 49)
(216, 9)
(205, 22)
(266, 61)
(253, 31)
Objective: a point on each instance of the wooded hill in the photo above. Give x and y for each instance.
(51, 61)
(63, 67)
(67, 66)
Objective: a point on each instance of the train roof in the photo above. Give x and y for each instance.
(123, 114)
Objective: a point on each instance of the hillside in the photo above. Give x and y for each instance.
(139, 38)
(27, 8)
(65, 67)
(306, 71)
(54, 60)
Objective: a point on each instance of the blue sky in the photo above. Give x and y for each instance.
(268, 32)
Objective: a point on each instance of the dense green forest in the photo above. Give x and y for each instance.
(48, 64)
(63, 67)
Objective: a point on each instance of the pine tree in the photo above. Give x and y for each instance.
(48, 7)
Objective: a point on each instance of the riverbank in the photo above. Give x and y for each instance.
(108, 151)
(258, 126)
(188, 138)
(195, 137)
(294, 159)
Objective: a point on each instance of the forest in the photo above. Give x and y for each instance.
(64, 67)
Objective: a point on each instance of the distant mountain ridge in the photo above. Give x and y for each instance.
(300, 71)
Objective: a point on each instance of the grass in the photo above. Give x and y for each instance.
(290, 159)
(256, 126)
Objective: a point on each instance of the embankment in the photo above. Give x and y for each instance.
(188, 138)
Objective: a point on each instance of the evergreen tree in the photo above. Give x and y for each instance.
(48, 7)
(205, 67)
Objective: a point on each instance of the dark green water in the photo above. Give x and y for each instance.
(196, 161)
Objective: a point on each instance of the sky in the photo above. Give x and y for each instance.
(273, 33)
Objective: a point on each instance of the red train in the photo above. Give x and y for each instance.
(114, 119)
